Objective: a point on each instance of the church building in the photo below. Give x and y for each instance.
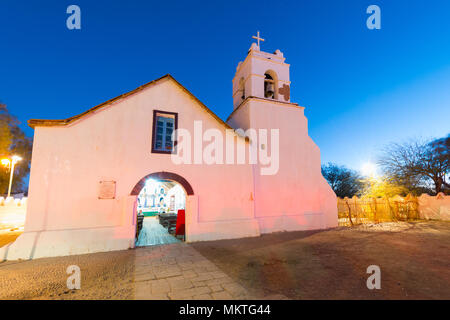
(94, 174)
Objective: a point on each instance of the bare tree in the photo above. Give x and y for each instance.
(441, 149)
(418, 164)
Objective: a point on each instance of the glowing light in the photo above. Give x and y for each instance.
(6, 162)
(10, 163)
(150, 182)
(151, 185)
(369, 169)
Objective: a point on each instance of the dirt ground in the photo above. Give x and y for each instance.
(414, 259)
(104, 276)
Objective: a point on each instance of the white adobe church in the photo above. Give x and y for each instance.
(87, 171)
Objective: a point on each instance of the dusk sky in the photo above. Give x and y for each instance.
(362, 88)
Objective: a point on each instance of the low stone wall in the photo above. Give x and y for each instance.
(365, 210)
(434, 208)
(12, 212)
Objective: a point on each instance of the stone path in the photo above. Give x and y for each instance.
(178, 272)
(153, 233)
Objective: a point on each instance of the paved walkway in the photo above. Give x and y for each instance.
(178, 271)
(175, 271)
(153, 233)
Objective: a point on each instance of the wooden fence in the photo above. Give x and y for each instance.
(367, 210)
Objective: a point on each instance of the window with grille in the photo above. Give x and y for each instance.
(164, 123)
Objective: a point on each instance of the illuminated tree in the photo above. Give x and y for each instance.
(13, 141)
(382, 187)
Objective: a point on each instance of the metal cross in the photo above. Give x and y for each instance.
(258, 38)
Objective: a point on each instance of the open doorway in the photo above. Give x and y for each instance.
(161, 206)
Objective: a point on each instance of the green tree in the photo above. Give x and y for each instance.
(343, 181)
(13, 141)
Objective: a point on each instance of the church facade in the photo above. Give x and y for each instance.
(87, 171)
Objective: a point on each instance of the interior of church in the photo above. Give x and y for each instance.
(160, 213)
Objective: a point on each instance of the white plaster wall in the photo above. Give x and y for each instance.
(114, 143)
(297, 197)
(65, 216)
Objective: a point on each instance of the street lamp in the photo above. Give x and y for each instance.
(10, 163)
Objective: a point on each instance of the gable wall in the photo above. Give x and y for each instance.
(115, 144)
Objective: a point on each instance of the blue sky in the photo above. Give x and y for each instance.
(362, 88)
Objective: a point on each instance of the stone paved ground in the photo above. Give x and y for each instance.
(414, 259)
(178, 271)
(173, 271)
(153, 233)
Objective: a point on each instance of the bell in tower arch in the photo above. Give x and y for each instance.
(269, 88)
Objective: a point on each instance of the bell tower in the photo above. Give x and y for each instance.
(261, 75)
(262, 108)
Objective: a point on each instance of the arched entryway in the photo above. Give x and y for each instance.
(163, 176)
(160, 208)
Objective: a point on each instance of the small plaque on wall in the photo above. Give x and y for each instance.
(107, 190)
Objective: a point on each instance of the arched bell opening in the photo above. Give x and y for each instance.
(270, 85)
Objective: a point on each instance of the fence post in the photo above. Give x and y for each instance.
(391, 212)
(416, 202)
(349, 211)
(396, 211)
(415, 206)
(374, 201)
(355, 201)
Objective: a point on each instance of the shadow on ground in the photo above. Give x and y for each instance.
(414, 259)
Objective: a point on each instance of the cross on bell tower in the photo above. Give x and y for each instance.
(258, 38)
(262, 75)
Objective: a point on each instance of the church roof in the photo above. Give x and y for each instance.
(63, 122)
